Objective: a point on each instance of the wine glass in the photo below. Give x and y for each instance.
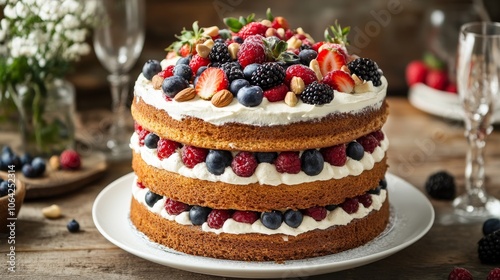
(118, 42)
(478, 77)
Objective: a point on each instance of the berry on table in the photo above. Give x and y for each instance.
(250, 96)
(416, 72)
(73, 226)
(312, 162)
(218, 160)
(217, 217)
(247, 217)
(165, 148)
(244, 164)
(494, 274)
(191, 155)
(491, 225)
(437, 79)
(489, 248)
(39, 165)
(317, 94)
(288, 162)
(151, 140)
(460, 273)
(174, 207)
(441, 185)
(70, 160)
(272, 220)
(198, 214)
(29, 171)
(151, 68)
(335, 155)
(355, 151)
(366, 69)
(293, 218)
(151, 198)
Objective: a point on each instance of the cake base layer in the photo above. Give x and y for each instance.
(258, 247)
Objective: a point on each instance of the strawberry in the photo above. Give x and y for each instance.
(437, 79)
(288, 34)
(302, 71)
(211, 81)
(167, 72)
(334, 46)
(339, 80)
(253, 28)
(280, 22)
(276, 93)
(198, 61)
(252, 51)
(330, 59)
(416, 72)
(186, 50)
(317, 45)
(451, 88)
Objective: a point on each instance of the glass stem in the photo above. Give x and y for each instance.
(119, 94)
(474, 170)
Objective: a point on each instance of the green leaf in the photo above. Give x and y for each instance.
(269, 15)
(233, 24)
(250, 18)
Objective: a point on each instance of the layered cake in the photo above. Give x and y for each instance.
(254, 142)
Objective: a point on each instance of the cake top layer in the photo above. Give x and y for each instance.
(260, 72)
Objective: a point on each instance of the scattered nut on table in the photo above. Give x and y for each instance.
(52, 212)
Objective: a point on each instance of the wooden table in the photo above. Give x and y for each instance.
(420, 145)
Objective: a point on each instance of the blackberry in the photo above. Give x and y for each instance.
(441, 185)
(489, 248)
(317, 94)
(219, 53)
(366, 69)
(233, 70)
(268, 75)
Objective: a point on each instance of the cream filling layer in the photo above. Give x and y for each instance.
(265, 174)
(337, 217)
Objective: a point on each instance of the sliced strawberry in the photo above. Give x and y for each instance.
(339, 81)
(276, 93)
(302, 71)
(330, 60)
(211, 81)
(197, 61)
(334, 46)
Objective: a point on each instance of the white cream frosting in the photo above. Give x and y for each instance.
(265, 174)
(333, 218)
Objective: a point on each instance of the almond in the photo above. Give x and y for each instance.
(314, 65)
(297, 85)
(222, 98)
(157, 80)
(233, 49)
(357, 80)
(185, 94)
(209, 43)
(211, 31)
(202, 50)
(291, 99)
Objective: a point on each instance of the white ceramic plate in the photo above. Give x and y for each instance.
(439, 103)
(412, 216)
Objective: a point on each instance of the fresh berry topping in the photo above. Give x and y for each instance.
(383, 183)
(250, 96)
(28, 171)
(489, 248)
(437, 79)
(365, 199)
(331, 207)
(451, 87)
(244, 164)
(339, 80)
(379, 135)
(26, 158)
(441, 185)
(5, 187)
(330, 60)
(355, 151)
(249, 69)
(247, 217)
(217, 217)
(166, 148)
(218, 160)
(460, 273)
(38, 165)
(219, 53)
(175, 207)
(268, 75)
(252, 51)
(272, 220)
(253, 28)
(317, 94)
(368, 142)
(183, 60)
(141, 134)
(183, 71)
(211, 81)
(375, 191)
(151, 68)
(301, 71)
(494, 274)
(197, 61)
(276, 93)
(307, 55)
(140, 185)
(200, 70)
(318, 213)
(293, 218)
(233, 71)
(237, 84)
(198, 214)
(350, 205)
(191, 155)
(173, 85)
(288, 162)
(335, 155)
(416, 71)
(312, 162)
(70, 160)
(268, 157)
(151, 140)
(491, 225)
(280, 22)
(167, 72)
(366, 69)
(151, 198)
(73, 226)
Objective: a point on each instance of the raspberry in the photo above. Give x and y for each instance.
(166, 148)
(318, 213)
(174, 207)
(365, 199)
(298, 70)
(335, 155)
(368, 142)
(197, 61)
(276, 93)
(167, 72)
(379, 135)
(70, 159)
(141, 133)
(191, 156)
(244, 164)
(216, 218)
(140, 185)
(252, 51)
(248, 217)
(288, 162)
(494, 274)
(351, 205)
(460, 273)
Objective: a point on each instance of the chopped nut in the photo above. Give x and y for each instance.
(54, 162)
(345, 69)
(222, 98)
(202, 50)
(233, 50)
(157, 80)
(294, 43)
(271, 32)
(314, 65)
(185, 94)
(266, 22)
(281, 32)
(52, 212)
(209, 43)
(211, 31)
(366, 86)
(300, 30)
(291, 99)
(357, 80)
(297, 85)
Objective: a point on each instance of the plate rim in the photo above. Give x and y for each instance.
(245, 269)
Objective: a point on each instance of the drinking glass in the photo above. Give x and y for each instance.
(478, 75)
(118, 42)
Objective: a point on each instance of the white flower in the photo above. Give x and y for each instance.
(10, 12)
(21, 10)
(69, 22)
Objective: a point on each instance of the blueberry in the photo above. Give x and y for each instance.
(151, 68)
(183, 70)
(355, 151)
(183, 60)
(3, 166)
(39, 165)
(383, 183)
(198, 214)
(293, 218)
(4, 188)
(195, 81)
(29, 171)
(272, 220)
(312, 162)
(151, 198)
(250, 96)
(307, 55)
(26, 158)
(237, 84)
(7, 150)
(491, 225)
(151, 140)
(218, 160)
(172, 85)
(268, 157)
(249, 69)
(200, 70)
(331, 207)
(238, 39)
(73, 226)
(375, 191)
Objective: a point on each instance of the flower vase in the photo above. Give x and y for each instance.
(47, 117)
